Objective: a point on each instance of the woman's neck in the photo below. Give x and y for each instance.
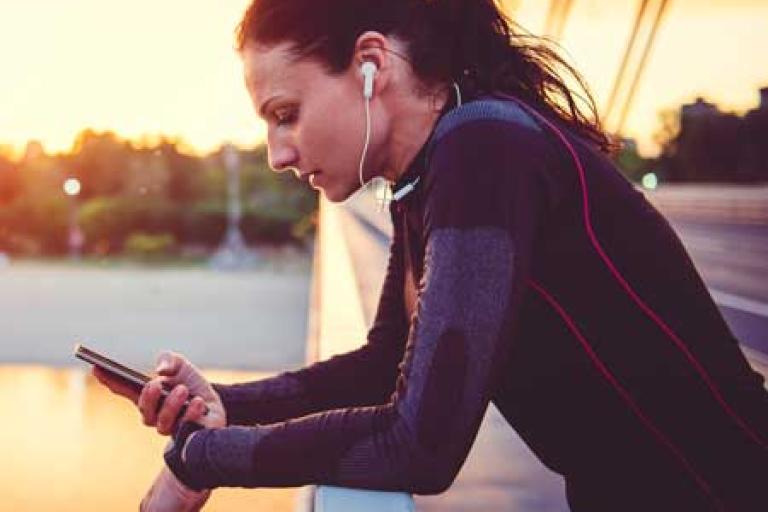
(411, 127)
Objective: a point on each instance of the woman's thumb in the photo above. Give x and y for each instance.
(167, 363)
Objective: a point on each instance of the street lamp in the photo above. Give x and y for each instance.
(233, 253)
(650, 181)
(76, 238)
(72, 187)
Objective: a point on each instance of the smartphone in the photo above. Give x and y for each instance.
(129, 376)
(132, 377)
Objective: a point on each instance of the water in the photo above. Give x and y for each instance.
(69, 444)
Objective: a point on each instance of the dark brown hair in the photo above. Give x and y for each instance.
(467, 41)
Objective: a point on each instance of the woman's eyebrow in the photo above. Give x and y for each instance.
(265, 105)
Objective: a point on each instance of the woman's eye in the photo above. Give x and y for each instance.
(285, 117)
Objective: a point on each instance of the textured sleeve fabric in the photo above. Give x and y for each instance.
(483, 201)
(365, 376)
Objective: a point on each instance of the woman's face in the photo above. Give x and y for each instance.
(315, 120)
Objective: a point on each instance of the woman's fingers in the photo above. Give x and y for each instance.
(162, 410)
(196, 410)
(115, 385)
(171, 409)
(149, 402)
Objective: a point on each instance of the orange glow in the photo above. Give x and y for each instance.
(72, 446)
(132, 67)
(168, 67)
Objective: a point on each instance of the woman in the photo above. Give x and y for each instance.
(524, 270)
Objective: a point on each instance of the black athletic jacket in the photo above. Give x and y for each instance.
(526, 270)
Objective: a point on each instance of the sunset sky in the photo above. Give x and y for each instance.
(167, 66)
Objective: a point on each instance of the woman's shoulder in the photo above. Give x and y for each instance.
(484, 109)
(482, 149)
(481, 137)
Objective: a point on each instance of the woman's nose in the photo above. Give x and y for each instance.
(282, 157)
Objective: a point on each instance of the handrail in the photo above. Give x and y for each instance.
(356, 236)
(712, 202)
(337, 324)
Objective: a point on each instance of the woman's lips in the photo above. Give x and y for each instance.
(306, 176)
(313, 177)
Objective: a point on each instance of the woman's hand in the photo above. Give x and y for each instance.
(167, 494)
(179, 376)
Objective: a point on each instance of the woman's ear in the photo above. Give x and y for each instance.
(369, 76)
(371, 62)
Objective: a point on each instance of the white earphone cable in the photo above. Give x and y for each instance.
(458, 94)
(387, 194)
(383, 191)
(367, 141)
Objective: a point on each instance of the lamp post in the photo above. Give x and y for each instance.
(233, 253)
(76, 238)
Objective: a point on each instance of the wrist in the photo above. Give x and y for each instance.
(179, 451)
(186, 444)
(221, 398)
(185, 493)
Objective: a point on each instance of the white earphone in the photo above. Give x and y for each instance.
(369, 72)
(368, 69)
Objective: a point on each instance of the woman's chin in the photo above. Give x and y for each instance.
(334, 197)
(336, 194)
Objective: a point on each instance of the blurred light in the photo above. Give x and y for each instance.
(91, 419)
(650, 181)
(72, 187)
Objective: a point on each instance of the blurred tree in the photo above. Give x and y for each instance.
(35, 221)
(632, 165)
(147, 176)
(152, 188)
(271, 193)
(149, 246)
(34, 226)
(184, 183)
(10, 182)
(101, 161)
(109, 221)
(669, 127)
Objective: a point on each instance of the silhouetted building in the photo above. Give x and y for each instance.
(754, 160)
(717, 146)
(699, 109)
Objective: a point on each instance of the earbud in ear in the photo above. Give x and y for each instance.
(369, 71)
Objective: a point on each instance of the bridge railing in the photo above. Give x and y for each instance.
(716, 202)
(337, 324)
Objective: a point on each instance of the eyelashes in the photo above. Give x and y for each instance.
(286, 116)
